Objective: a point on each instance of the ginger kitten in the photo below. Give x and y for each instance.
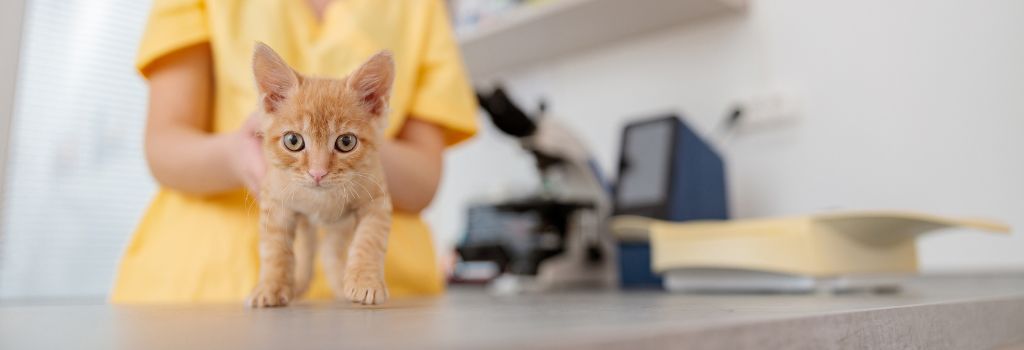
(321, 139)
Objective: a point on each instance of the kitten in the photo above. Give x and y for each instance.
(321, 139)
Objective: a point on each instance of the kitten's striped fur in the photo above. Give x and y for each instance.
(350, 203)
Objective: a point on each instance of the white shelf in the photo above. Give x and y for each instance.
(558, 27)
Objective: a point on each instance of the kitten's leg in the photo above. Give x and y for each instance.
(277, 262)
(334, 253)
(364, 273)
(305, 249)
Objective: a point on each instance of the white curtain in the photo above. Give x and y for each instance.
(76, 180)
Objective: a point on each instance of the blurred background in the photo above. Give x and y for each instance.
(885, 105)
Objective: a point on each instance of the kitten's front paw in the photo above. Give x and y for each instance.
(268, 294)
(367, 288)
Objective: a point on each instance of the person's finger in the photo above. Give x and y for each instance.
(252, 125)
(260, 171)
(255, 193)
(254, 154)
(252, 183)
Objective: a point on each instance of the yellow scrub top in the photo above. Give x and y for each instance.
(204, 249)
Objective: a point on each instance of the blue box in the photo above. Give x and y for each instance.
(667, 172)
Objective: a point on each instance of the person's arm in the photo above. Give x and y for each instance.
(412, 164)
(184, 155)
(182, 152)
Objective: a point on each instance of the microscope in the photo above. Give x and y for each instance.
(555, 238)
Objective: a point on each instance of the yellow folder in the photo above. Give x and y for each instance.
(822, 245)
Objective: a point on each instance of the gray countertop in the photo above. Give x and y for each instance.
(929, 312)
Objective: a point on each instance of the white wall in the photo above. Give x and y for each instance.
(906, 105)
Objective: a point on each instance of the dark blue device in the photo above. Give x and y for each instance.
(667, 172)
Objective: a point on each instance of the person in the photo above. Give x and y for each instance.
(197, 241)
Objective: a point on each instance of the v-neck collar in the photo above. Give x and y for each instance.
(316, 24)
(307, 8)
(319, 16)
(314, 37)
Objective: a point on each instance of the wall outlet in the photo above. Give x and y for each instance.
(768, 109)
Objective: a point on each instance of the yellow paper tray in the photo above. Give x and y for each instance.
(822, 245)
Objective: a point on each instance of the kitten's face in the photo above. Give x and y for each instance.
(320, 136)
(322, 133)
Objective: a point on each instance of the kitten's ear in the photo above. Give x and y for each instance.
(372, 82)
(274, 78)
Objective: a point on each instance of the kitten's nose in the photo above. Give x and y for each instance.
(317, 174)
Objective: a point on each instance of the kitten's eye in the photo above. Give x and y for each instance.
(346, 143)
(293, 142)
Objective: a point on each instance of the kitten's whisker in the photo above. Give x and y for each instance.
(352, 195)
(364, 190)
(380, 186)
(368, 177)
(348, 186)
(348, 196)
(291, 193)
(248, 206)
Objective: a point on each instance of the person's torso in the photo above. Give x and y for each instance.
(349, 32)
(204, 248)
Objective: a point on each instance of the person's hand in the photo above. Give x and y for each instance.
(249, 165)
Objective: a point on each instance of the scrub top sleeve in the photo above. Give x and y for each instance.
(173, 25)
(443, 94)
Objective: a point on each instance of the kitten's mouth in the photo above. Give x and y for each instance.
(315, 185)
(318, 185)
